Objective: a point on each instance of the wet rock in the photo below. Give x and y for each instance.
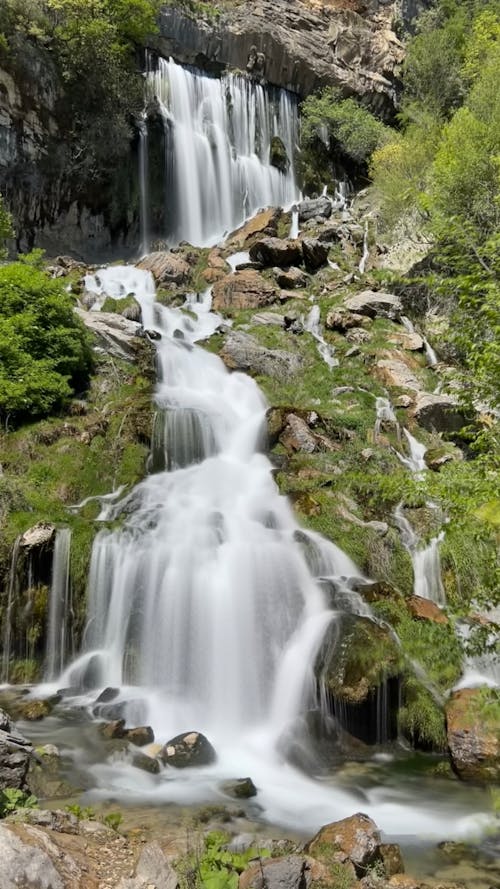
(242, 352)
(41, 534)
(108, 694)
(35, 710)
(115, 334)
(140, 736)
(473, 731)
(243, 290)
(314, 253)
(146, 763)
(292, 277)
(435, 458)
(166, 267)
(5, 723)
(240, 788)
(312, 207)
(355, 839)
(424, 609)
(440, 413)
(24, 865)
(375, 304)
(390, 854)
(15, 754)
(394, 372)
(190, 749)
(113, 730)
(263, 223)
(276, 251)
(290, 872)
(341, 320)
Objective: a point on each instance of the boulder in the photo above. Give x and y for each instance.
(276, 251)
(342, 320)
(5, 723)
(33, 710)
(390, 854)
(166, 267)
(355, 839)
(440, 413)
(375, 304)
(146, 763)
(25, 865)
(412, 342)
(187, 750)
(41, 534)
(425, 609)
(242, 352)
(297, 436)
(289, 872)
(358, 335)
(314, 253)
(394, 372)
(113, 730)
(473, 731)
(312, 207)
(292, 277)
(15, 754)
(240, 788)
(140, 736)
(263, 223)
(116, 334)
(108, 694)
(243, 290)
(269, 319)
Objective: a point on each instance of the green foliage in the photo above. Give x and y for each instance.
(86, 813)
(112, 819)
(6, 230)
(12, 799)
(214, 867)
(44, 351)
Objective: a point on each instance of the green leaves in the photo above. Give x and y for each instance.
(12, 799)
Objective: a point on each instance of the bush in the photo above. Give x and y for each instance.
(6, 231)
(45, 355)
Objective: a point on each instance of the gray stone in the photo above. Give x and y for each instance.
(312, 207)
(5, 723)
(114, 332)
(146, 763)
(242, 352)
(25, 866)
(314, 253)
(154, 867)
(51, 819)
(440, 413)
(374, 304)
(15, 753)
(291, 872)
(276, 251)
(39, 535)
(188, 749)
(240, 788)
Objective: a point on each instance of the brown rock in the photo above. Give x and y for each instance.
(341, 320)
(140, 736)
(113, 730)
(211, 275)
(394, 372)
(292, 277)
(276, 251)
(216, 260)
(166, 267)
(34, 710)
(424, 609)
(474, 734)
(403, 881)
(375, 304)
(412, 342)
(265, 222)
(355, 839)
(243, 290)
(392, 859)
(297, 436)
(358, 335)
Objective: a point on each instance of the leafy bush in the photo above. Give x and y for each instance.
(12, 799)
(44, 351)
(215, 867)
(5, 228)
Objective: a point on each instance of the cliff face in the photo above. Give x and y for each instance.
(297, 44)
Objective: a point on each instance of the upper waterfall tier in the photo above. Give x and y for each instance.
(218, 144)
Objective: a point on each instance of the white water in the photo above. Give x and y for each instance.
(218, 136)
(313, 326)
(415, 460)
(294, 225)
(366, 252)
(384, 415)
(430, 354)
(58, 607)
(208, 606)
(143, 186)
(239, 258)
(427, 581)
(11, 592)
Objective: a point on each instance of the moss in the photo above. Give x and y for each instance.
(22, 671)
(421, 719)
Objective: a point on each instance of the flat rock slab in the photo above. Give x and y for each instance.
(242, 352)
(114, 332)
(166, 267)
(375, 304)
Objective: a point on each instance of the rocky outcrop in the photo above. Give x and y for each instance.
(293, 44)
(243, 290)
(355, 839)
(276, 251)
(375, 304)
(166, 267)
(15, 753)
(114, 333)
(439, 413)
(473, 731)
(242, 352)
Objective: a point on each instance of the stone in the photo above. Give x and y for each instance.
(114, 333)
(439, 413)
(154, 867)
(140, 736)
(240, 788)
(297, 436)
(33, 710)
(312, 207)
(263, 223)
(403, 401)
(51, 819)
(412, 342)
(425, 609)
(25, 865)
(15, 754)
(166, 267)
(435, 458)
(375, 304)
(243, 290)
(342, 320)
(394, 372)
(272, 319)
(290, 872)
(108, 694)
(41, 534)
(187, 750)
(355, 839)
(292, 277)
(473, 733)
(113, 730)
(276, 251)
(358, 335)
(390, 853)
(330, 234)
(314, 253)
(5, 723)
(242, 352)
(146, 763)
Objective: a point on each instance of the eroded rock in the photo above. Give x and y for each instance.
(375, 304)
(166, 267)
(15, 754)
(355, 839)
(187, 750)
(276, 251)
(242, 352)
(473, 732)
(243, 290)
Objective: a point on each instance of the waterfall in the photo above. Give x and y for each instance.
(415, 461)
(11, 593)
(143, 185)
(366, 252)
(218, 141)
(313, 326)
(59, 606)
(294, 224)
(427, 582)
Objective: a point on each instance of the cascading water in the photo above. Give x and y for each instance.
(313, 326)
(218, 142)
(11, 593)
(427, 582)
(59, 606)
(415, 462)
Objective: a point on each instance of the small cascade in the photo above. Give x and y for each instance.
(294, 225)
(481, 669)
(415, 462)
(144, 186)
(218, 141)
(237, 259)
(384, 415)
(366, 252)
(59, 609)
(430, 354)
(427, 581)
(11, 598)
(313, 325)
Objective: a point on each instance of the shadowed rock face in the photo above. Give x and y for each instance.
(296, 45)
